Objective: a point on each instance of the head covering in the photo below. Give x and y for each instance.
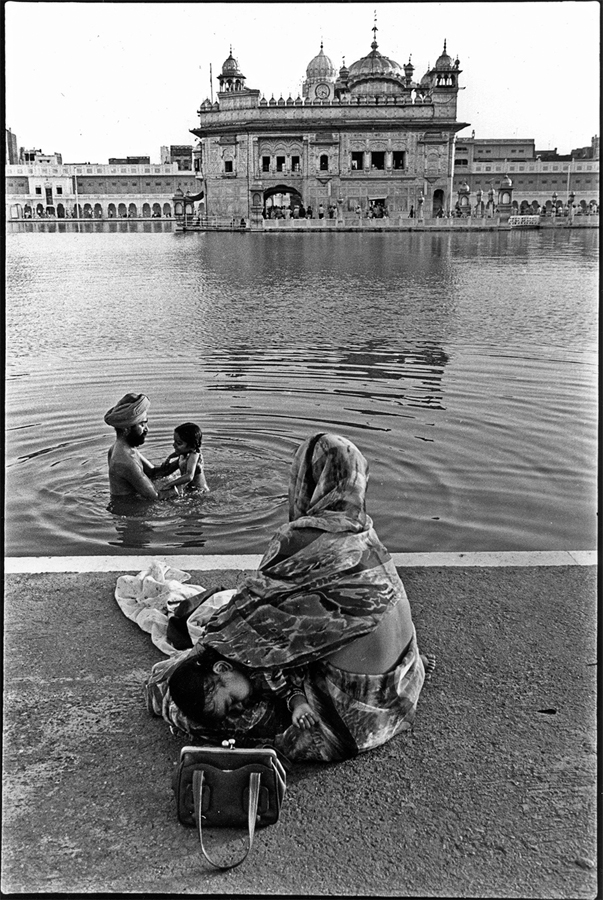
(130, 410)
(325, 578)
(329, 476)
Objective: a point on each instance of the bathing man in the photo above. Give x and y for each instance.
(130, 473)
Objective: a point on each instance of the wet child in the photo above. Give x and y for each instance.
(187, 458)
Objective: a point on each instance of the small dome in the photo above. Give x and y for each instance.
(320, 67)
(506, 182)
(426, 79)
(444, 61)
(231, 67)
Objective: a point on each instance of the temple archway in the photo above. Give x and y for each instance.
(281, 196)
(438, 203)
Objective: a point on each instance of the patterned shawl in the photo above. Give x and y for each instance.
(325, 579)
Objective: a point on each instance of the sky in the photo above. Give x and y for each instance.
(95, 80)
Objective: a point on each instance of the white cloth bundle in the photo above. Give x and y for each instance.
(149, 597)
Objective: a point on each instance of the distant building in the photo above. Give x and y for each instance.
(365, 140)
(181, 154)
(12, 151)
(85, 190)
(36, 157)
(130, 161)
(481, 165)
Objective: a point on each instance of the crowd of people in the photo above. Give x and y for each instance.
(299, 211)
(316, 652)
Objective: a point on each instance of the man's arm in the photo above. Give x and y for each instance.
(137, 479)
(166, 468)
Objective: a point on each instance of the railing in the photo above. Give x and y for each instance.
(524, 221)
(223, 223)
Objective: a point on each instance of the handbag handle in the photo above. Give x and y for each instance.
(254, 796)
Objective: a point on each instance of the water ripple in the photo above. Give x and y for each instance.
(463, 366)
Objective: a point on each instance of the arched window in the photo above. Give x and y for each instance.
(324, 163)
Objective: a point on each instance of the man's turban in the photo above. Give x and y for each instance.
(130, 410)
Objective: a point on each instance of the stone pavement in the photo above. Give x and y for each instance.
(492, 795)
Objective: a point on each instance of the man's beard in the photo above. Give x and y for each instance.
(135, 440)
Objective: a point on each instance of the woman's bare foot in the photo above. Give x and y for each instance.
(429, 664)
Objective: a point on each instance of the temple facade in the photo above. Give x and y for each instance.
(363, 140)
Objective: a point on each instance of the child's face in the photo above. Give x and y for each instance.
(180, 446)
(232, 689)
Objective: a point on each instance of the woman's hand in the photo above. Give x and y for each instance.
(303, 716)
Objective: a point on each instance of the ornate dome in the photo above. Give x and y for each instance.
(230, 68)
(375, 64)
(506, 182)
(444, 61)
(426, 79)
(321, 66)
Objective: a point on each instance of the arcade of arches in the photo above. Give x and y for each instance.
(99, 211)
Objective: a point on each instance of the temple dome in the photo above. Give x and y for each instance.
(231, 67)
(374, 64)
(444, 61)
(320, 67)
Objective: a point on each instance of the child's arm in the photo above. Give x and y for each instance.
(168, 466)
(301, 711)
(154, 472)
(203, 485)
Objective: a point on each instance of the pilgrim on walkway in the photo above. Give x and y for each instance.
(327, 609)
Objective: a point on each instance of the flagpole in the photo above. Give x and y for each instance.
(211, 85)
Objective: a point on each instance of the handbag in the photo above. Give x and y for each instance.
(227, 787)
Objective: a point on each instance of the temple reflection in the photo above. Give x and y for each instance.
(417, 370)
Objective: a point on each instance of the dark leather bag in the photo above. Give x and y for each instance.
(220, 787)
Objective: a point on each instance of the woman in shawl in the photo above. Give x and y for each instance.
(325, 618)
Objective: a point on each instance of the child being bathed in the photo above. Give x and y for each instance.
(209, 688)
(187, 458)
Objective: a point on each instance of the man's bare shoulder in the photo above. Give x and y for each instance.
(121, 455)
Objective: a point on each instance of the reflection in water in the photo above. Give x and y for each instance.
(462, 365)
(133, 532)
(143, 523)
